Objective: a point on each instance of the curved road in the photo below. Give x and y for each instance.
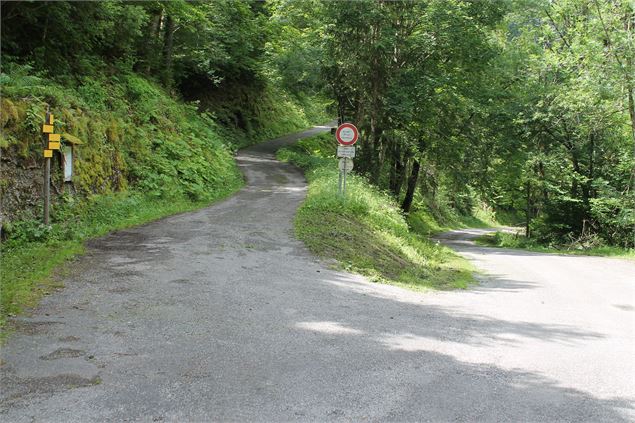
(221, 314)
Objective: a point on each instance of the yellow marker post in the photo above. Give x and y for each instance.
(54, 145)
(48, 154)
(54, 137)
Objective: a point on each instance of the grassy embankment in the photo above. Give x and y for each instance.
(518, 241)
(366, 232)
(145, 156)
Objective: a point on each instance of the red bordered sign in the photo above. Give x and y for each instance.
(346, 134)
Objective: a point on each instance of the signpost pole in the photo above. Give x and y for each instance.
(344, 181)
(346, 136)
(47, 174)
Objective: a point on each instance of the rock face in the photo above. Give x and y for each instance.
(22, 183)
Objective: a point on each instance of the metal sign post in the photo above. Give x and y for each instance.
(344, 182)
(346, 135)
(345, 166)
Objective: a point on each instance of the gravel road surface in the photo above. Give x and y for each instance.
(221, 314)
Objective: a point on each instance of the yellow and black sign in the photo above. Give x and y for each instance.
(53, 139)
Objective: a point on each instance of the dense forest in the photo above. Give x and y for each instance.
(525, 107)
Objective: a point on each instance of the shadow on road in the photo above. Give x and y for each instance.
(403, 332)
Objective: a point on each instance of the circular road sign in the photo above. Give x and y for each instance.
(346, 134)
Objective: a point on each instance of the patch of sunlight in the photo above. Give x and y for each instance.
(333, 328)
(406, 342)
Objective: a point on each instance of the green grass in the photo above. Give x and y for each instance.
(509, 240)
(28, 265)
(366, 231)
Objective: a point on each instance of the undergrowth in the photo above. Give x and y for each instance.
(519, 241)
(366, 232)
(432, 216)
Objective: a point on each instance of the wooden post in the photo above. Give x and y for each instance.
(47, 173)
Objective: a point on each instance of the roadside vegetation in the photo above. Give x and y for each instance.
(366, 231)
(527, 106)
(585, 247)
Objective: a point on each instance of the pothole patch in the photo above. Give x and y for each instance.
(63, 353)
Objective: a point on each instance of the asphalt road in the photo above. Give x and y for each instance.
(221, 314)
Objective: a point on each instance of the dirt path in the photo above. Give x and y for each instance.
(221, 314)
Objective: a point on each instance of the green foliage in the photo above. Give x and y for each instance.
(565, 157)
(135, 134)
(590, 246)
(409, 75)
(526, 106)
(366, 231)
(71, 37)
(26, 231)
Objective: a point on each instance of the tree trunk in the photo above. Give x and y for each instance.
(528, 209)
(589, 182)
(631, 111)
(167, 51)
(377, 158)
(154, 30)
(397, 170)
(412, 185)
(630, 90)
(543, 180)
(46, 27)
(394, 157)
(364, 153)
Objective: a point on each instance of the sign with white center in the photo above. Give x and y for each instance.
(346, 151)
(346, 134)
(346, 165)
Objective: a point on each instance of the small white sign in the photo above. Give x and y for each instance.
(347, 134)
(346, 165)
(68, 164)
(344, 151)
